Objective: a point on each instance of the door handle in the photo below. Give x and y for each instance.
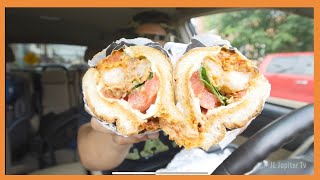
(302, 82)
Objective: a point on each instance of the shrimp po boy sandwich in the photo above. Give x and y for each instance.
(217, 89)
(130, 86)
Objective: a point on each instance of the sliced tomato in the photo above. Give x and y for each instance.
(136, 99)
(141, 99)
(207, 99)
(196, 84)
(152, 85)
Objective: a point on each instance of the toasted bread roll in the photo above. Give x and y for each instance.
(217, 89)
(131, 88)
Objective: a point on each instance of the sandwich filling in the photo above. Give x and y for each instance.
(222, 79)
(128, 78)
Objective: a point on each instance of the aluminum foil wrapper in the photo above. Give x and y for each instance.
(106, 52)
(176, 50)
(122, 43)
(196, 162)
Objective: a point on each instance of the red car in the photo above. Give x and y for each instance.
(290, 75)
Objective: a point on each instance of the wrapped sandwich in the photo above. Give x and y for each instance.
(129, 86)
(218, 90)
(212, 92)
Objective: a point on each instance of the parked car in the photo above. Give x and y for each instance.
(290, 75)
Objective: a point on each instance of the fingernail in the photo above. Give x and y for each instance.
(153, 136)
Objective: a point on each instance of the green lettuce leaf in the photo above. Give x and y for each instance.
(138, 85)
(205, 79)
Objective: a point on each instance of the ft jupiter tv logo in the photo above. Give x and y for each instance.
(288, 165)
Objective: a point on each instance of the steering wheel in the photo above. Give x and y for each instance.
(267, 140)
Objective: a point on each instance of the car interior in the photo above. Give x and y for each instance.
(44, 102)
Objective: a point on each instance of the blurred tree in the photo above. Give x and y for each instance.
(259, 32)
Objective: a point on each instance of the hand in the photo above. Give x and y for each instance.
(120, 139)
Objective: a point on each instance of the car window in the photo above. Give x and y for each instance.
(32, 54)
(307, 65)
(297, 65)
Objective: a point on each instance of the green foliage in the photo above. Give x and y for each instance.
(259, 32)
